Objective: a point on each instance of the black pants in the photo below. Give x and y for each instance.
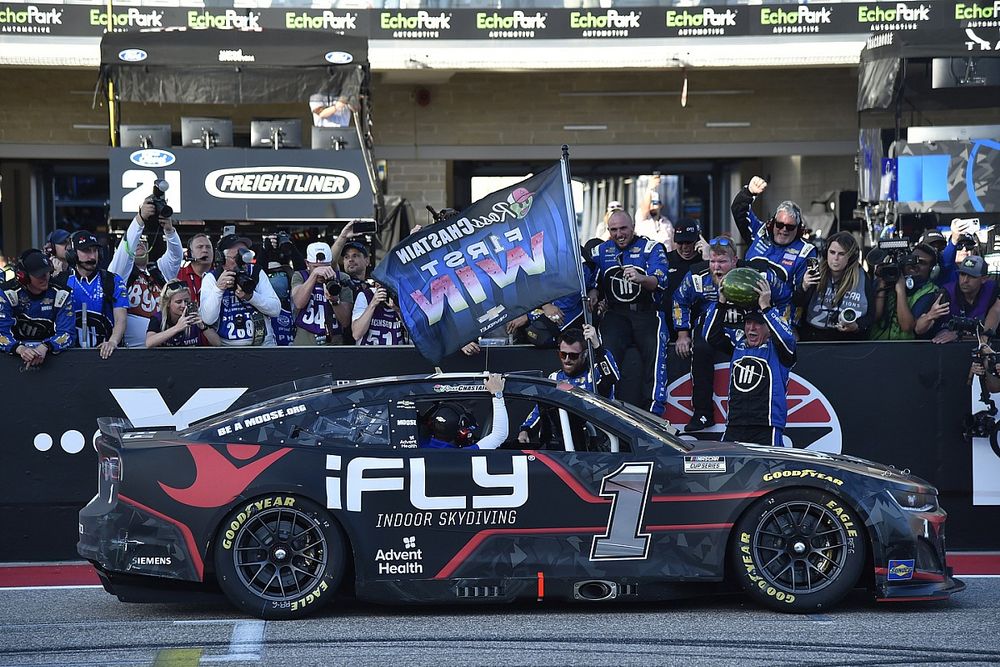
(703, 360)
(648, 331)
(761, 435)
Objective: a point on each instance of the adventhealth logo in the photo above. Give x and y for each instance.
(901, 12)
(697, 19)
(326, 21)
(964, 12)
(798, 16)
(421, 21)
(31, 15)
(516, 21)
(609, 19)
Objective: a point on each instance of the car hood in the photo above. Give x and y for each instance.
(853, 464)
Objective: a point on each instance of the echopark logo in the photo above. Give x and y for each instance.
(217, 480)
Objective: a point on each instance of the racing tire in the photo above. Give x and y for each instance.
(798, 550)
(280, 557)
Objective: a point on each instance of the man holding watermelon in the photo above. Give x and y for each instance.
(778, 241)
(762, 361)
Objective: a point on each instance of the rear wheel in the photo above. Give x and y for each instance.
(279, 557)
(799, 550)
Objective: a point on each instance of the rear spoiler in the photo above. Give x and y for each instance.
(113, 427)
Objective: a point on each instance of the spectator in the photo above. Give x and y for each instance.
(575, 362)
(778, 241)
(55, 248)
(899, 304)
(630, 270)
(450, 426)
(36, 314)
(321, 314)
(972, 296)
(330, 108)
(145, 279)
(376, 319)
(839, 296)
(650, 222)
(960, 245)
(758, 376)
(99, 299)
(177, 323)
(202, 257)
(235, 300)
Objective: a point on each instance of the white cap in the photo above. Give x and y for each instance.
(615, 206)
(319, 252)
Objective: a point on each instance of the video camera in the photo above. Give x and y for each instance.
(897, 257)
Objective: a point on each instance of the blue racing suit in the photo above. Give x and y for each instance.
(607, 377)
(633, 317)
(789, 262)
(31, 320)
(758, 377)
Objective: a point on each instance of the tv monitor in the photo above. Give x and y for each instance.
(276, 133)
(335, 138)
(206, 132)
(144, 136)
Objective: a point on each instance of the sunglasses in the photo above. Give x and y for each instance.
(175, 286)
(569, 356)
(780, 225)
(721, 241)
(967, 245)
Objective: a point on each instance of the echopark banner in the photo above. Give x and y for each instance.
(505, 255)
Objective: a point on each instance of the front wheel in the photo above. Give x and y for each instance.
(279, 557)
(799, 550)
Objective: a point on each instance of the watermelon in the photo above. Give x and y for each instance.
(738, 286)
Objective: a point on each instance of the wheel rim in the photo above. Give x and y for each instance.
(800, 547)
(280, 554)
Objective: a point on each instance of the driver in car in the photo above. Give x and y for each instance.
(451, 427)
(576, 370)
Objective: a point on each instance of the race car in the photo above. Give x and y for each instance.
(320, 489)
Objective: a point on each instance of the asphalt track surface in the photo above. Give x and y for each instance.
(86, 626)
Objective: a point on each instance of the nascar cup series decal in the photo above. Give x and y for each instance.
(699, 464)
(282, 183)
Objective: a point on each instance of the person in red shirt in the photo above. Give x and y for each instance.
(201, 254)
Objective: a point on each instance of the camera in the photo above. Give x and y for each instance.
(246, 280)
(283, 238)
(848, 316)
(897, 257)
(159, 200)
(967, 325)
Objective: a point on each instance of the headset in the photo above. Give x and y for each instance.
(936, 258)
(796, 212)
(21, 273)
(450, 423)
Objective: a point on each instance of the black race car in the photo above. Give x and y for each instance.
(322, 487)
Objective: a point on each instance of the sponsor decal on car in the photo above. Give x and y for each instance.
(145, 561)
(460, 388)
(401, 561)
(260, 419)
(900, 570)
(446, 518)
(700, 464)
(813, 474)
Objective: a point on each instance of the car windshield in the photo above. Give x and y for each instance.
(640, 418)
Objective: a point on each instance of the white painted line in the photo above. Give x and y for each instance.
(245, 644)
(207, 621)
(48, 588)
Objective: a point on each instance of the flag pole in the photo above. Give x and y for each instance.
(574, 236)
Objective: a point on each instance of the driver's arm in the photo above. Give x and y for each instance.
(496, 437)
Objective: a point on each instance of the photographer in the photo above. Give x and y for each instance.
(36, 314)
(321, 313)
(144, 279)
(235, 300)
(838, 296)
(971, 301)
(962, 242)
(177, 323)
(905, 294)
(376, 319)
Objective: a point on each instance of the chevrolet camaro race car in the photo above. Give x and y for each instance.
(320, 488)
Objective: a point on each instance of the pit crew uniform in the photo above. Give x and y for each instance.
(143, 286)
(758, 377)
(633, 315)
(607, 374)
(789, 262)
(27, 319)
(90, 293)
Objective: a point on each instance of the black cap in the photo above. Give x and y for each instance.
(357, 245)
(83, 239)
(59, 237)
(754, 316)
(35, 263)
(230, 240)
(686, 231)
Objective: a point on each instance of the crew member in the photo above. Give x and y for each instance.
(778, 241)
(451, 427)
(36, 315)
(576, 369)
(758, 376)
(630, 270)
(99, 299)
(202, 255)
